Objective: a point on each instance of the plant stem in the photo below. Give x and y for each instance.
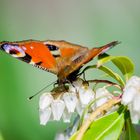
(105, 81)
(94, 114)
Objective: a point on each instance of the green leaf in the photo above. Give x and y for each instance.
(108, 71)
(130, 133)
(125, 65)
(112, 74)
(73, 137)
(106, 128)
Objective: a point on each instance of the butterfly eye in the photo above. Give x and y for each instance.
(52, 47)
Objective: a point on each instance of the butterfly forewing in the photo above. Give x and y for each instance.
(68, 53)
(82, 57)
(32, 52)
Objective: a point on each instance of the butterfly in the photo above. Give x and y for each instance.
(59, 57)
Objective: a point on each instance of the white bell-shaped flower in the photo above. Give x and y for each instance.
(61, 136)
(45, 100)
(70, 100)
(66, 116)
(133, 81)
(129, 93)
(76, 85)
(136, 103)
(131, 97)
(103, 94)
(58, 107)
(86, 94)
(79, 108)
(135, 116)
(44, 115)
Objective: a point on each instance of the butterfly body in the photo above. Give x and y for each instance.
(59, 57)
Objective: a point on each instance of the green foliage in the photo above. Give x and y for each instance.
(108, 71)
(112, 74)
(130, 133)
(74, 136)
(108, 127)
(123, 63)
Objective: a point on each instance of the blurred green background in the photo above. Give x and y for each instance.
(86, 22)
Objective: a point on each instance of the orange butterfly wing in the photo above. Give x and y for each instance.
(59, 57)
(75, 56)
(32, 52)
(51, 56)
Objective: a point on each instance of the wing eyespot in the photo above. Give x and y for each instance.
(52, 47)
(27, 58)
(13, 51)
(54, 50)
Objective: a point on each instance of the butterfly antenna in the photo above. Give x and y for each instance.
(31, 97)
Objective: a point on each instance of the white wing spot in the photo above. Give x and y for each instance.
(24, 48)
(56, 52)
(32, 62)
(32, 47)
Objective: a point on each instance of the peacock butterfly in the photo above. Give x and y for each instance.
(59, 57)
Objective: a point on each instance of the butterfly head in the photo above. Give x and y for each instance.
(13, 50)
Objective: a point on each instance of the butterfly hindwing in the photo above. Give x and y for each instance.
(73, 56)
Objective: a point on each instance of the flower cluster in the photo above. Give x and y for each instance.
(131, 97)
(75, 99)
